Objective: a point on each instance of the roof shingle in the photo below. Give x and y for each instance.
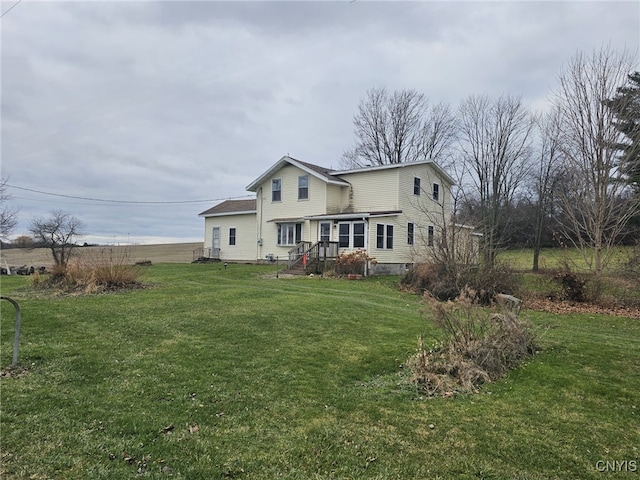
(231, 206)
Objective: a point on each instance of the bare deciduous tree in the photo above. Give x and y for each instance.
(543, 176)
(8, 215)
(595, 201)
(495, 147)
(58, 233)
(401, 127)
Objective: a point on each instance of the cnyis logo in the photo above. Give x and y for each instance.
(617, 465)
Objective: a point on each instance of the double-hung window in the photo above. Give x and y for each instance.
(358, 234)
(436, 192)
(430, 236)
(344, 235)
(351, 235)
(410, 233)
(232, 236)
(303, 187)
(384, 236)
(416, 185)
(276, 190)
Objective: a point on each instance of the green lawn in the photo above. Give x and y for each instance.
(264, 378)
(558, 258)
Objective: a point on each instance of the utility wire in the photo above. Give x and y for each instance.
(10, 8)
(137, 202)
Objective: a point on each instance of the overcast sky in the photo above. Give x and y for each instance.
(156, 101)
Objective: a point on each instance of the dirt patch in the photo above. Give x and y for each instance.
(13, 372)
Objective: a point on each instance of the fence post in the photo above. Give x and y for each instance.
(16, 340)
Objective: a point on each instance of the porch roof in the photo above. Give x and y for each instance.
(286, 220)
(354, 215)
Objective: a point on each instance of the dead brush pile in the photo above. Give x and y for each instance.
(478, 347)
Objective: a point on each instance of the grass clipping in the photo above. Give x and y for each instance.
(478, 346)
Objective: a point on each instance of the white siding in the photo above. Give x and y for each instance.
(423, 205)
(337, 198)
(245, 248)
(288, 208)
(401, 252)
(392, 189)
(374, 190)
(422, 210)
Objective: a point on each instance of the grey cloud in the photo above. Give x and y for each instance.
(191, 100)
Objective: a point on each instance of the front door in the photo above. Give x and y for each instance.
(215, 242)
(324, 235)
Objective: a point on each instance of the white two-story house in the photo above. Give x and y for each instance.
(392, 212)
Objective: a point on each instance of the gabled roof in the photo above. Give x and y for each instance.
(319, 172)
(231, 206)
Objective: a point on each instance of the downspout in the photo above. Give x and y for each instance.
(366, 245)
(259, 242)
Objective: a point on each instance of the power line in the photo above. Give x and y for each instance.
(130, 202)
(10, 8)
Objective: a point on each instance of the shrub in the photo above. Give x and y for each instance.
(447, 283)
(353, 262)
(105, 271)
(573, 287)
(423, 277)
(477, 347)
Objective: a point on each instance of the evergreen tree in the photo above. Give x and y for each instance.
(626, 107)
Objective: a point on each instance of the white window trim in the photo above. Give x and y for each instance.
(411, 228)
(419, 186)
(272, 190)
(385, 245)
(279, 231)
(307, 187)
(351, 224)
(235, 237)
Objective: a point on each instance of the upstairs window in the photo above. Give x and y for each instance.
(276, 190)
(436, 192)
(303, 187)
(416, 185)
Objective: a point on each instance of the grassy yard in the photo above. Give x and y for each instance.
(215, 373)
(558, 258)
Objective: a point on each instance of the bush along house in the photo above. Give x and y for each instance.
(307, 215)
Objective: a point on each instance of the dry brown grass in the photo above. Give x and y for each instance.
(161, 253)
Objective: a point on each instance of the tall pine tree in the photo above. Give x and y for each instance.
(626, 107)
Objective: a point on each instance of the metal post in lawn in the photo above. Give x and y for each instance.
(277, 270)
(16, 340)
